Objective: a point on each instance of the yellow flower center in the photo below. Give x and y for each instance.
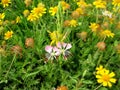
(5, 1)
(117, 1)
(106, 78)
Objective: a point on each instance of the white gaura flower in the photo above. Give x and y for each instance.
(64, 48)
(107, 13)
(52, 52)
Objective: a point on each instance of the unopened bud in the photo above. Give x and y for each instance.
(82, 35)
(29, 42)
(62, 88)
(101, 45)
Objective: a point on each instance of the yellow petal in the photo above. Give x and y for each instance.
(112, 80)
(99, 80)
(98, 76)
(106, 71)
(112, 74)
(104, 83)
(109, 84)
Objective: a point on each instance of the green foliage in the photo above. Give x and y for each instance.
(32, 70)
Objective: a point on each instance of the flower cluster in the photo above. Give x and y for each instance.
(54, 51)
(37, 12)
(54, 10)
(96, 28)
(104, 76)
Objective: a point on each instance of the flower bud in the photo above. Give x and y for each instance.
(66, 23)
(2, 52)
(13, 22)
(118, 48)
(26, 13)
(101, 45)
(1, 30)
(27, 2)
(82, 35)
(17, 50)
(106, 24)
(75, 14)
(29, 42)
(62, 88)
(118, 25)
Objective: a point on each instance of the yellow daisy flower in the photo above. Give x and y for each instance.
(2, 16)
(5, 3)
(31, 17)
(106, 78)
(107, 33)
(55, 37)
(99, 69)
(82, 4)
(8, 35)
(116, 2)
(99, 4)
(53, 10)
(73, 23)
(17, 19)
(39, 11)
(26, 13)
(94, 27)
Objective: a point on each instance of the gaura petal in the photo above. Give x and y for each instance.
(68, 46)
(48, 48)
(59, 45)
(64, 45)
(56, 51)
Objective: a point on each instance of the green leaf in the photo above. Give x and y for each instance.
(102, 88)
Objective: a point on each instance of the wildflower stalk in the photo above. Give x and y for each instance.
(0, 65)
(59, 17)
(98, 87)
(83, 75)
(100, 58)
(10, 66)
(97, 12)
(66, 34)
(79, 82)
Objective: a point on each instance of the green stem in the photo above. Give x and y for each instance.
(98, 87)
(97, 15)
(79, 82)
(10, 66)
(0, 64)
(99, 60)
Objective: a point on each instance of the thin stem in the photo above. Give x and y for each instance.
(79, 82)
(10, 66)
(96, 15)
(98, 87)
(99, 60)
(0, 65)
